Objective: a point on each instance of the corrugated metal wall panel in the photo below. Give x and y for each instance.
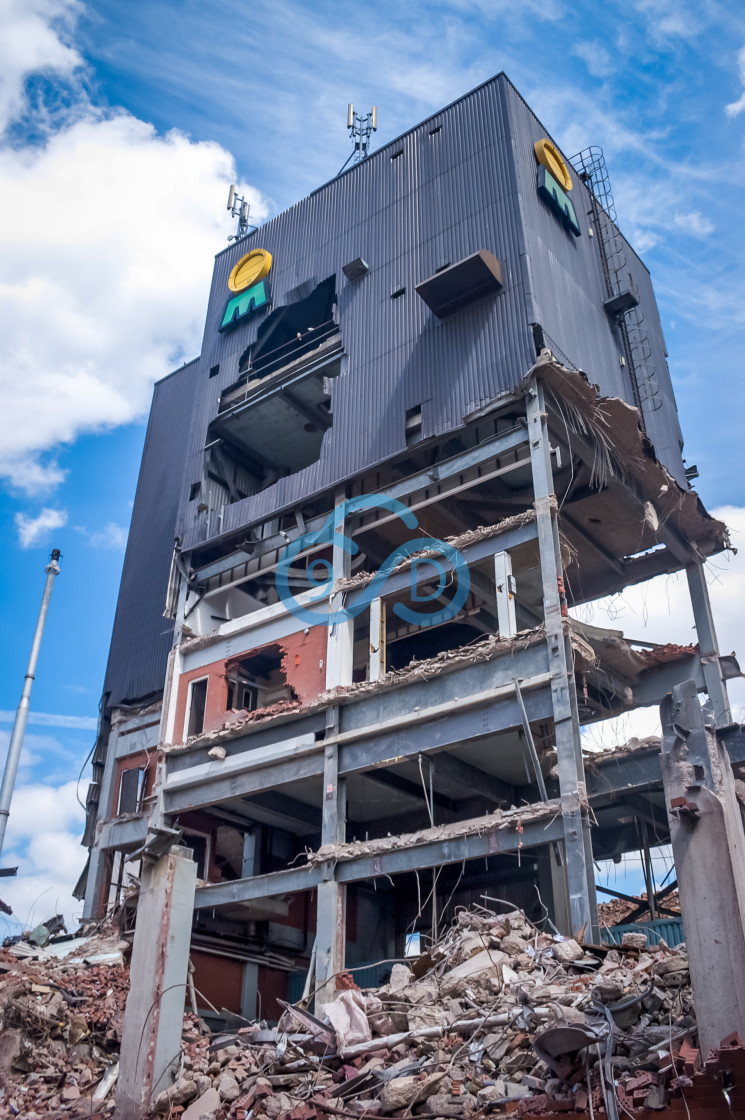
(447, 195)
(468, 186)
(568, 292)
(141, 639)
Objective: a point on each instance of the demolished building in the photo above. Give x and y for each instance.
(432, 413)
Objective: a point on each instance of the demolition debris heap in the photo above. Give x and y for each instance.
(498, 1017)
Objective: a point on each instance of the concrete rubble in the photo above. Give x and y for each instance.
(498, 1016)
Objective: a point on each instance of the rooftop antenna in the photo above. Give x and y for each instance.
(239, 208)
(360, 130)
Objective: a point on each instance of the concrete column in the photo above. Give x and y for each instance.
(577, 840)
(707, 641)
(151, 1039)
(340, 647)
(709, 849)
(331, 907)
(505, 584)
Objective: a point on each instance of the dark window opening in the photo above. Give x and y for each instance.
(198, 844)
(214, 370)
(258, 681)
(197, 705)
(291, 332)
(413, 425)
(398, 293)
(131, 788)
(397, 155)
(435, 130)
(195, 490)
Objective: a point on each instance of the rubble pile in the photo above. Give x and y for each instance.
(497, 1017)
(617, 910)
(61, 1012)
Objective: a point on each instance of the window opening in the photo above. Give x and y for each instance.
(131, 789)
(398, 293)
(195, 490)
(258, 681)
(397, 155)
(291, 332)
(199, 844)
(214, 370)
(435, 130)
(197, 705)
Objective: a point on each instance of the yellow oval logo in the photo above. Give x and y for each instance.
(249, 270)
(547, 154)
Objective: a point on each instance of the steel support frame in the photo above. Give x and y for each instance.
(416, 490)
(515, 835)
(577, 839)
(331, 905)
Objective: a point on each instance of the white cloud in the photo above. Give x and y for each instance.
(110, 536)
(595, 57)
(107, 235)
(34, 530)
(31, 43)
(47, 719)
(694, 223)
(660, 611)
(736, 107)
(43, 838)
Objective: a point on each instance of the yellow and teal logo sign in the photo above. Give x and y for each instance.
(249, 280)
(554, 183)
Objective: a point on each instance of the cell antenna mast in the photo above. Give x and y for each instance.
(360, 130)
(239, 208)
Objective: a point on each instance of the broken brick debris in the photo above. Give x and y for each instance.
(496, 1017)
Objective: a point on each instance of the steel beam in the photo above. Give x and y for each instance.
(577, 841)
(707, 640)
(434, 853)
(426, 480)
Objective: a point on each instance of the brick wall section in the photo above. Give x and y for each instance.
(303, 663)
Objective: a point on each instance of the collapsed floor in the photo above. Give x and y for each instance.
(498, 1016)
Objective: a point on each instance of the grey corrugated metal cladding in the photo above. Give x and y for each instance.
(141, 639)
(463, 181)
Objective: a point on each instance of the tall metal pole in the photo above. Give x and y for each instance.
(19, 726)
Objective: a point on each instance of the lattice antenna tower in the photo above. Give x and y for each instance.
(239, 208)
(360, 131)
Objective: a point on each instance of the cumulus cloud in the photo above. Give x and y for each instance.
(33, 43)
(43, 838)
(660, 611)
(107, 234)
(35, 530)
(736, 107)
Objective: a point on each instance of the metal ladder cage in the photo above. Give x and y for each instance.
(592, 169)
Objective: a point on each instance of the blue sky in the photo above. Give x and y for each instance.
(121, 126)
